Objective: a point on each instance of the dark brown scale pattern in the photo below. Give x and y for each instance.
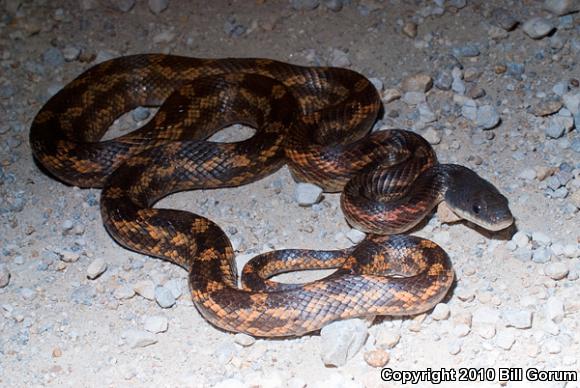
(315, 119)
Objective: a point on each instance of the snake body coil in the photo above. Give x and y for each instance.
(315, 119)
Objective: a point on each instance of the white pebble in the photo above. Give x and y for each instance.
(417, 83)
(164, 297)
(244, 339)
(554, 309)
(156, 324)
(440, 312)
(138, 338)
(355, 236)
(307, 194)
(96, 268)
(520, 319)
(487, 117)
(556, 271)
(341, 340)
(124, 292)
(145, 288)
(461, 330)
(562, 7)
(541, 238)
(537, 28)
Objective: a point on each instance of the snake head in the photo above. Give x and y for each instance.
(474, 199)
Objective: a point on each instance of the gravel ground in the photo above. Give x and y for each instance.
(492, 85)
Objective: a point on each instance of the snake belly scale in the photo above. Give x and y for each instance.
(314, 119)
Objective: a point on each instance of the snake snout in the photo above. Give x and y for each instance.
(474, 199)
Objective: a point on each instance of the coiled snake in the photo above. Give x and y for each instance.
(312, 118)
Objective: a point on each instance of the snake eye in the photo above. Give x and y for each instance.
(476, 208)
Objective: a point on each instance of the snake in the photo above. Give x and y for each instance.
(316, 120)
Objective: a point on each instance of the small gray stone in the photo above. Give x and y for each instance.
(138, 338)
(96, 268)
(553, 182)
(469, 109)
(562, 7)
(515, 69)
(562, 192)
(504, 19)
(556, 271)
(307, 194)
(505, 339)
(487, 117)
(233, 28)
(244, 340)
(164, 297)
(175, 286)
(432, 135)
(158, 6)
(443, 80)
(339, 58)
(124, 292)
(390, 95)
(417, 83)
(541, 238)
(414, 98)
(4, 276)
(546, 107)
(53, 57)
(156, 324)
(554, 309)
(537, 28)
(520, 319)
(304, 5)
(71, 53)
(67, 225)
(334, 5)
(560, 88)
(528, 174)
(541, 255)
(341, 340)
(458, 86)
(469, 50)
(572, 102)
(124, 5)
(426, 114)
(458, 4)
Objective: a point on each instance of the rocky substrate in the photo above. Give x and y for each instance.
(492, 85)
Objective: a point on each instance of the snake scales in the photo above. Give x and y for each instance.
(314, 119)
